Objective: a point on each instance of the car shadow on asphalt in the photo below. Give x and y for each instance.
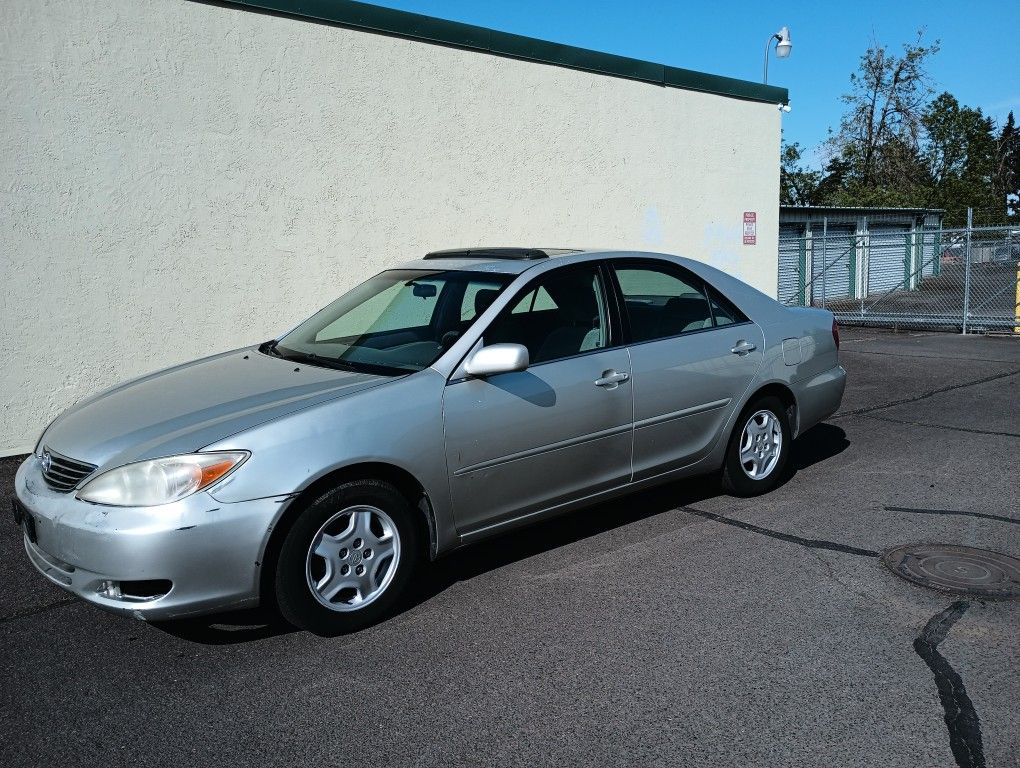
(816, 445)
(819, 444)
(231, 628)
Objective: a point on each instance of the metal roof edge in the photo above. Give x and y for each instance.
(883, 209)
(429, 29)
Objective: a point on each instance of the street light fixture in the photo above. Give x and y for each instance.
(783, 48)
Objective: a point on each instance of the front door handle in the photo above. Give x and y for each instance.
(611, 379)
(743, 348)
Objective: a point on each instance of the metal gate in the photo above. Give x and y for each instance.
(966, 279)
(792, 253)
(929, 246)
(833, 262)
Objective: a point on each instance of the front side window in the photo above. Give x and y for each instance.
(663, 300)
(562, 314)
(397, 322)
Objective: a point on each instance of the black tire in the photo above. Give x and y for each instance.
(298, 603)
(735, 480)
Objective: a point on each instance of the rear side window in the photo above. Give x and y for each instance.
(723, 310)
(662, 300)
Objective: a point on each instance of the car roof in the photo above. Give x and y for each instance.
(751, 301)
(514, 261)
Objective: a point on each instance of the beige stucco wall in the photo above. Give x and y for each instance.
(181, 178)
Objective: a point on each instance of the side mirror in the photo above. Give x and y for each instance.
(497, 358)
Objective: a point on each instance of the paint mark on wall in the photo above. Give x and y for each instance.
(722, 242)
(651, 232)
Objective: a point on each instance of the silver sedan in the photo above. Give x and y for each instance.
(434, 405)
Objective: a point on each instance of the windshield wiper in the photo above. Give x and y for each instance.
(347, 365)
(311, 358)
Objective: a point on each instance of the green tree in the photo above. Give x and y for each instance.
(960, 155)
(900, 145)
(1007, 168)
(879, 134)
(799, 185)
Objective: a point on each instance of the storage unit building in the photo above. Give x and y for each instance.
(829, 254)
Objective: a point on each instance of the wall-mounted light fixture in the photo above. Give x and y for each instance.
(783, 48)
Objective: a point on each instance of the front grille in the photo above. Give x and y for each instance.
(61, 473)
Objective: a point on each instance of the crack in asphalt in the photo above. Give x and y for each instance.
(833, 576)
(960, 716)
(37, 609)
(983, 515)
(943, 426)
(923, 395)
(812, 543)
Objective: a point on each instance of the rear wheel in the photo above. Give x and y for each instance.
(348, 558)
(758, 449)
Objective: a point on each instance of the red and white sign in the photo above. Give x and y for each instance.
(750, 228)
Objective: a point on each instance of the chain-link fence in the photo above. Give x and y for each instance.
(965, 279)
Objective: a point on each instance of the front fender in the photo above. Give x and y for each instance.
(399, 423)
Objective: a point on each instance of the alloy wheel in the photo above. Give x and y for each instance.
(352, 558)
(761, 445)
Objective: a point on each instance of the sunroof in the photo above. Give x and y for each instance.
(513, 254)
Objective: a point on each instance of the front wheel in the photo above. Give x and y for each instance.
(347, 558)
(759, 448)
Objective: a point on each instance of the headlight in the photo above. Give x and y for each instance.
(160, 481)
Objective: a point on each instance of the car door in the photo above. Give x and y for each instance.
(521, 442)
(693, 355)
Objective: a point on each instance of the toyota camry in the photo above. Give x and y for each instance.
(436, 404)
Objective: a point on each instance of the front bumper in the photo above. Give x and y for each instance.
(209, 552)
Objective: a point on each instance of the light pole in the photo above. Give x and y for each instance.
(783, 48)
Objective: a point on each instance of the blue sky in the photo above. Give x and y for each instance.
(978, 62)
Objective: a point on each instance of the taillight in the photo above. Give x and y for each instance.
(835, 332)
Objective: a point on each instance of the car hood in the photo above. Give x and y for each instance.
(185, 408)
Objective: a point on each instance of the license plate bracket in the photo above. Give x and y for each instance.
(24, 518)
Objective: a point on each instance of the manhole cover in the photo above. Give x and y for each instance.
(951, 568)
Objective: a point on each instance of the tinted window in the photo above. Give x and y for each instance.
(398, 321)
(395, 307)
(662, 301)
(562, 314)
(478, 295)
(534, 300)
(723, 310)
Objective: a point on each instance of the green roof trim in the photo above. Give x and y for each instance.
(415, 26)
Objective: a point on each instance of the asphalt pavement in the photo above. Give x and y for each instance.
(674, 627)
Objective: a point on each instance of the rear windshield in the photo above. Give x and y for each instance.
(399, 321)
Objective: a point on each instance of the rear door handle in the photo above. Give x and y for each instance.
(743, 347)
(610, 379)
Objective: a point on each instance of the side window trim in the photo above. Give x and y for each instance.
(715, 296)
(619, 307)
(711, 304)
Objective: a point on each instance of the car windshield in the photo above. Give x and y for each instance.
(398, 322)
